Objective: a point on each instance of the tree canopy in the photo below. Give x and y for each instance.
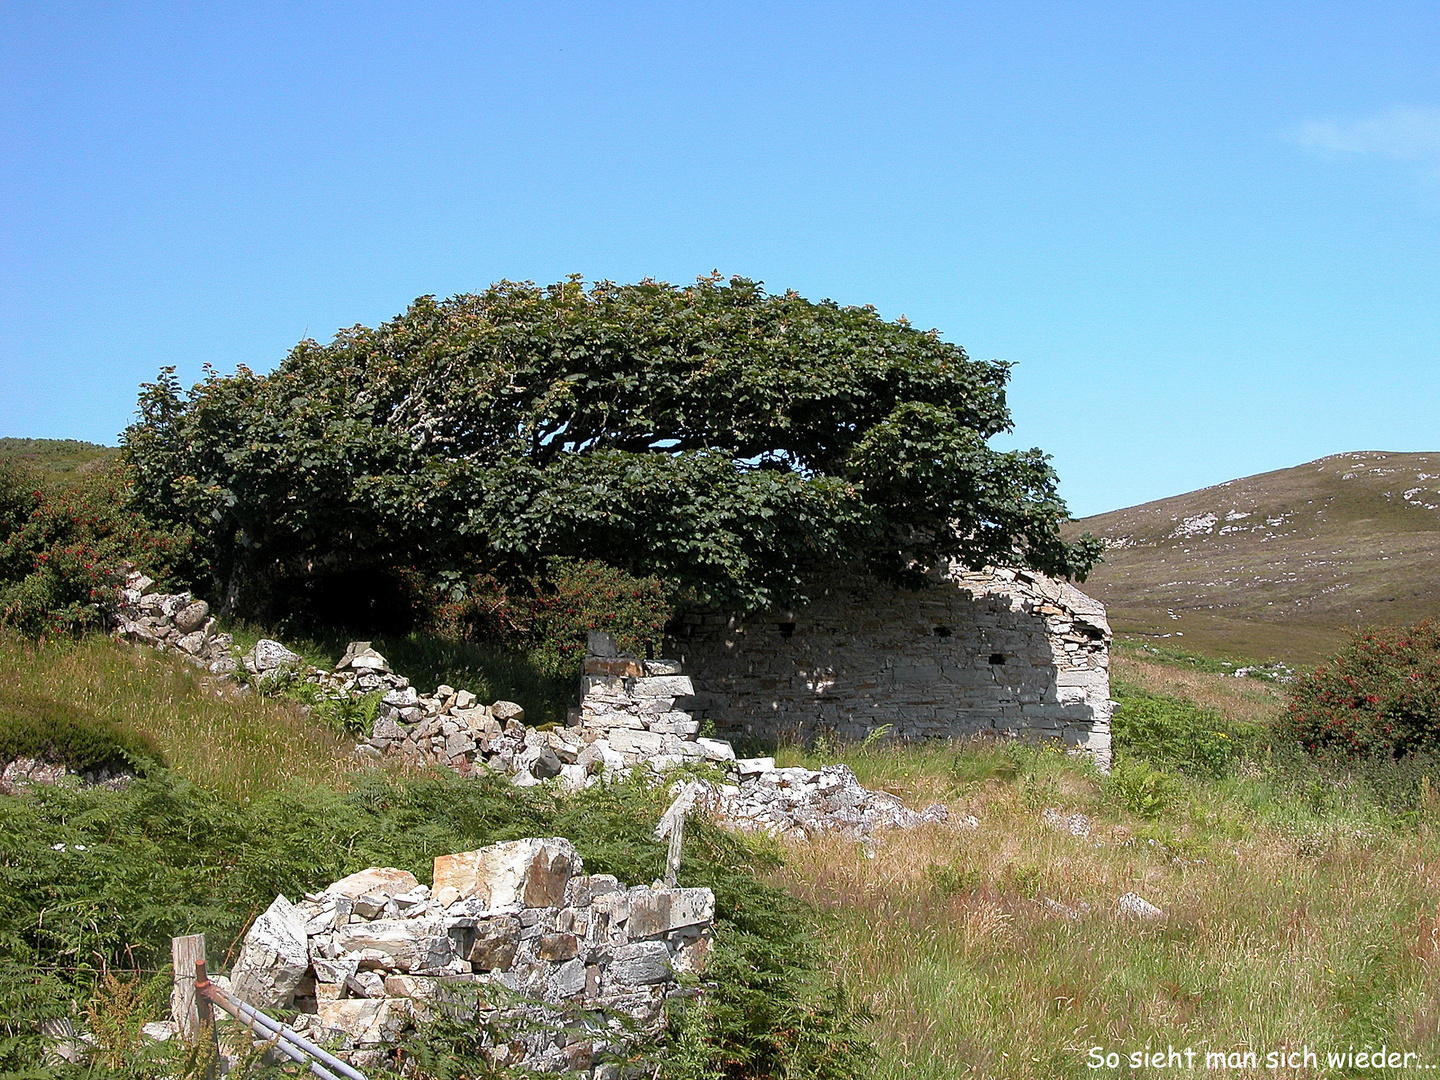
(730, 441)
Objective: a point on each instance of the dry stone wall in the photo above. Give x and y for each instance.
(562, 971)
(1003, 652)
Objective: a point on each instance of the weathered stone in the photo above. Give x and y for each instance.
(271, 655)
(659, 911)
(193, 643)
(546, 764)
(716, 749)
(642, 743)
(567, 980)
(505, 711)
(409, 945)
(640, 964)
(496, 940)
(354, 1016)
(1137, 907)
(557, 947)
(599, 643)
(381, 881)
(664, 686)
(531, 873)
(274, 958)
(620, 665)
(192, 616)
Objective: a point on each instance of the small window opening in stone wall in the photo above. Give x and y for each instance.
(942, 631)
(787, 629)
(997, 658)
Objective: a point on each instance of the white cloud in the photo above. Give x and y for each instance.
(1400, 132)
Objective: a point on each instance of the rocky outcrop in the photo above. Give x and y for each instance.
(561, 970)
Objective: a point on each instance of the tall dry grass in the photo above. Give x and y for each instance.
(999, 951)
(241, 745)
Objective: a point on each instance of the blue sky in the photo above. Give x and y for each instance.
(1205, 233)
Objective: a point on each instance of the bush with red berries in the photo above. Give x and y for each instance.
(1378, 695)
(62, 548)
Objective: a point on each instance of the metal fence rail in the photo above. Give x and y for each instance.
(192, 1000)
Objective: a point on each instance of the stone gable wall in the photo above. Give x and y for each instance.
(1002, 652)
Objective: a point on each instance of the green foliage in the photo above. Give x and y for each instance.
(1143, 789)
(550, 614)
(712, 436)
(100, 880)
(65, 735)
(1176, 734)
(61, 550)
(341, 713)
(1379, 695)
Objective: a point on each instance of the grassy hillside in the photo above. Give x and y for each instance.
(1283, 564)
(1299, 907)
(56, 459)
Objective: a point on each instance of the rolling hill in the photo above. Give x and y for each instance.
(56, 459)
(1281, 565)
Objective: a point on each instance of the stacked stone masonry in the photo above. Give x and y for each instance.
(1003, 652)
(562, 971)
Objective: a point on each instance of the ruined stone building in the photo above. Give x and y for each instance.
(1007, 652)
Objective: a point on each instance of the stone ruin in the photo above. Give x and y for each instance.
(1007, 653)
(562, 971)
(1002, 652)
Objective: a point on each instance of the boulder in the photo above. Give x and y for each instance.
(1137, 907)
(192, 616)
(507, 710)
(530, 873)
(271, 655)
(274, 957)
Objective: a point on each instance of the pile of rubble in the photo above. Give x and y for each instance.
(178, 621)
(563, 971)
(801, 803)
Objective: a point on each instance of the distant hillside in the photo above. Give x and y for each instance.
(1279, 565)
(56, 459)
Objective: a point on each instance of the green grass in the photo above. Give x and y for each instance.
(243, 746)
(56, 459)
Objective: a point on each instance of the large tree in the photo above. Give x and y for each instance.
(728, 440)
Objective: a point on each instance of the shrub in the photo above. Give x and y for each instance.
(550, 614)
(64, 735)
(61, 550)
(1379, 695)
(1176, 734)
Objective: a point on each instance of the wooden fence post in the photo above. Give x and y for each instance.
(672, 824)
(194, 1016)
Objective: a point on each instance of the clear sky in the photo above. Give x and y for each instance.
(1208, 234)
